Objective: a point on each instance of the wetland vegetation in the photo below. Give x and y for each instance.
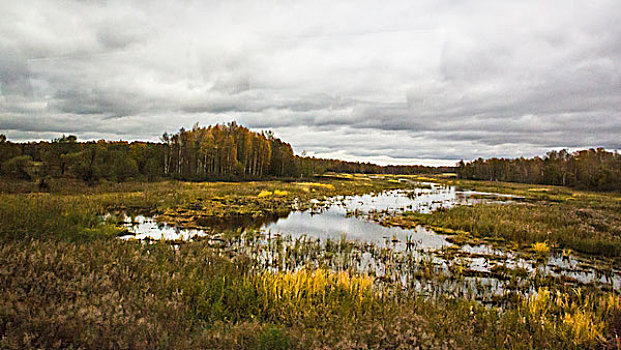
(504, 282)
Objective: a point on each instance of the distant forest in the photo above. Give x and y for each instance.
(219, 152)
(593, 169)
(233, 152)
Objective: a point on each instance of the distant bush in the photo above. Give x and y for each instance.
(20, 167)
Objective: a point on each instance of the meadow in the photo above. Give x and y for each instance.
(585, 222)
(67, 282)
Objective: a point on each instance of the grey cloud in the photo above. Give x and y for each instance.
(400, 82)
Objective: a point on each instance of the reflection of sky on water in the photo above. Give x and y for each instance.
(332, 223)
(147, 228)
(336, 221)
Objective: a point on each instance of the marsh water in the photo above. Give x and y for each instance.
(344, 216)
(355, 218)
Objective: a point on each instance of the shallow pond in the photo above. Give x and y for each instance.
(346, 216)
(350, 217)
(147, 228)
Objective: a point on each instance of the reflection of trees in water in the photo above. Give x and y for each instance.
(242, 221)
(229, 223)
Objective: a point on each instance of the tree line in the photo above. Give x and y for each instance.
(219, 152)
(592, 169)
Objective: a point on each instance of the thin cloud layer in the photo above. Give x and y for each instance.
(430, 82)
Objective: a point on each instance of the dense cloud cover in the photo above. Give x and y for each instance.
(392, 82)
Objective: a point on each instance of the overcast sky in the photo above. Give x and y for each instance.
(403, 81)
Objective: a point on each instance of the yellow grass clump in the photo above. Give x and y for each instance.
(541, 248)
(279, 193)
(313, 185)
(264, 193)
(581, 315)
(425, 178)
(539, 189)
(317, 286)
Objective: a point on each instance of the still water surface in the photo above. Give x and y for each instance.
(345, 216)
(350, 217)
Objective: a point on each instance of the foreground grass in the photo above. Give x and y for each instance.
(109, 294)
(67, 283)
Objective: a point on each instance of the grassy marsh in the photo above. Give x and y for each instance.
(68, 283)
(585, 222)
